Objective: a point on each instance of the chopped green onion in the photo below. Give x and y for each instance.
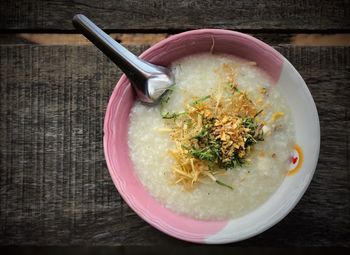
(224, 184)
(258, 113)
(199, 100)
(172, 115)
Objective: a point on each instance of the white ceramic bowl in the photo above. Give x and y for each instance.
(303, 109)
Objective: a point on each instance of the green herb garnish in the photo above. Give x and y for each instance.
(258, 113)
(199, 100)
(215, 134)
(172, 115)
(224, 184)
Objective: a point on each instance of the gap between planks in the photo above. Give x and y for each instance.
(152, 38)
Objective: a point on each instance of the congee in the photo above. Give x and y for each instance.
(219, 144)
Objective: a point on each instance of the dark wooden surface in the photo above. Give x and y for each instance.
(55, 188)
(178, 15)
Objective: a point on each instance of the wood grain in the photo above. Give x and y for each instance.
(178, 15)
(54, 185)
(134, 38)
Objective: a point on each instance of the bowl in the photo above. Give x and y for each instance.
(303, 164)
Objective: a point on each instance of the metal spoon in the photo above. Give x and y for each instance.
(150, 81)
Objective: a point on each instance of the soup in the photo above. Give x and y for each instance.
(215, 174)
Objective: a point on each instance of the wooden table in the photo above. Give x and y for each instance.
(55, 188)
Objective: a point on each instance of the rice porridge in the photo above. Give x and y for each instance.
(250, 173)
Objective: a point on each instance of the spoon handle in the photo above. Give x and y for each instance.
(137, 70)
(150, 81)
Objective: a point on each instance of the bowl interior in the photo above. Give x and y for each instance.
(281, 73)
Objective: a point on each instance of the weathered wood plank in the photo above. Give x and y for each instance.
(131, 38)
(179, 15)
(54, 185)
